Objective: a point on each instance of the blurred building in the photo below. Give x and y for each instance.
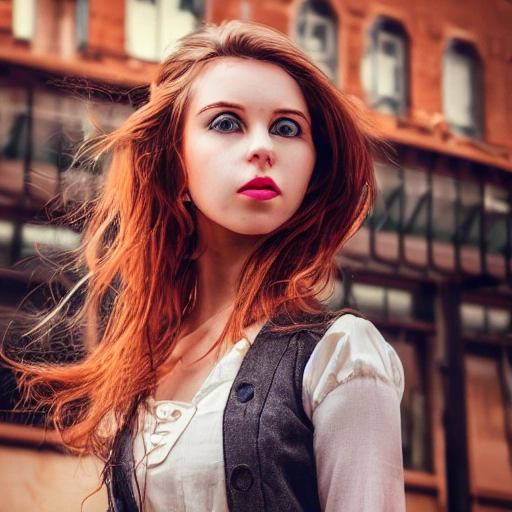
(431, 266)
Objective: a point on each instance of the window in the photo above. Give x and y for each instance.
(23, 18)
(82, 23)
(33, 235)
(384, 72)
(13, 112)
(412, 349)
(498, 219)
(196, 7)
(317, 34)
(39, 132)
(459, 209)
(153, 25)
(477, 319)
(463, 89)
(383, 302)
(402, 205)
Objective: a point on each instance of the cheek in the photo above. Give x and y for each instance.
(302, 169)
(197, 170)
(300, 172)
(209, 181)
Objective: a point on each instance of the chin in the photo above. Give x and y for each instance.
(261, 230)
(241, 224)
(256, 228)
(248, 231)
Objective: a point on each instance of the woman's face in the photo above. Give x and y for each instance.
(248, 146)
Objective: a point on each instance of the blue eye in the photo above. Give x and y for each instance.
(286, 128)
(225, 123)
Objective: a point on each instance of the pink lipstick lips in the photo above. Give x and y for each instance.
(262, 188)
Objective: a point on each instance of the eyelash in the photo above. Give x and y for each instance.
(231, 116)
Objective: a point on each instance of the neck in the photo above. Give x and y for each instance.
(222, 257)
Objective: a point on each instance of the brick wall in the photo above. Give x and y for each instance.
(430, 24)
(5, 15)
(106, 26)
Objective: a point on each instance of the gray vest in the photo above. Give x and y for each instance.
(268, 438)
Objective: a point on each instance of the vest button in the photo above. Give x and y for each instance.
(241, 478)
(244, 392)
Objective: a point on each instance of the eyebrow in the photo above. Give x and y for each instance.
(221, 104)
(224, 104)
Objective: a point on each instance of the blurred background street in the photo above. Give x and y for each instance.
(431, 267)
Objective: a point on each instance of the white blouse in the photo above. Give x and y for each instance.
(352, 387)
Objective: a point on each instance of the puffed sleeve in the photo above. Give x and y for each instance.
(352, 387)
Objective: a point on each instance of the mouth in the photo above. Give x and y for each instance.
(262, 188)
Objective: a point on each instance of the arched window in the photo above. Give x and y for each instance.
(23, 18)
(153, 25)
(317, 34)
(463, 89)
(384, 70)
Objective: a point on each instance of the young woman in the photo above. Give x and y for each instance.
(214, 379)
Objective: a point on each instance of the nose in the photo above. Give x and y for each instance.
(261, 150)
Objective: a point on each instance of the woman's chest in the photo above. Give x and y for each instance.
(178, 454)
(183, 383)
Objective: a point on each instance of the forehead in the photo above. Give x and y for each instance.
(248, 82)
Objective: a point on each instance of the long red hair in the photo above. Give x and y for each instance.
(137, 255)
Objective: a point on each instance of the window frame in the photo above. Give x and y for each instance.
(310, 14)
(399, 103)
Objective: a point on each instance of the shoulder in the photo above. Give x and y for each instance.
(351, 348)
